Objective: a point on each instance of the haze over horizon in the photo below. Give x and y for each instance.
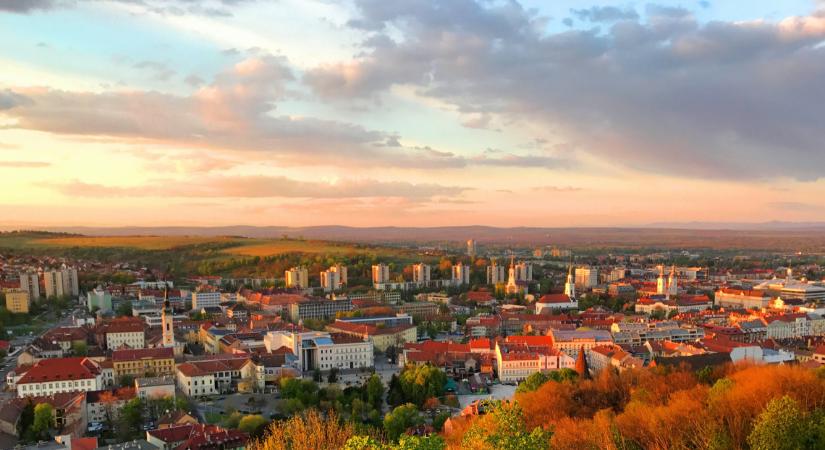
(411, 113)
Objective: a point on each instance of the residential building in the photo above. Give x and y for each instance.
(331, 279)
(205, 298)
(52, 376)
(496, 274)
(572, 341)
(122, 332)
(420, 309)
(322, 350)
(380, 273)
(197, 437)
(104, 406)
(317, 308)
(518, 357)
(742, 298)
(217, 375)
(601, 357)
(382, 337)
(471, 248)
(155, 387)
(61, 282)
(586, 277)
(143, 362)
(461, 274)
(297, 277)
(421, 273)
(99, 300)
(549, 302)
(524, 271)
(17, 301)
(637, 333)
(30, 282)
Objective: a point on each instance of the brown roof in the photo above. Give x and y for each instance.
(143, 353)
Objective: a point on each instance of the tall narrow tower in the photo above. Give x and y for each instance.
(672, 283)
(660, 282)
(570, 285)
(166, 321)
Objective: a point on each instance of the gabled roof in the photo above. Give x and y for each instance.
(142, 353)
(60, 369)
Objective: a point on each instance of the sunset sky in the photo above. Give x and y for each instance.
(410, 112)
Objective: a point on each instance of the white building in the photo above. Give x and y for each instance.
(496, 274)
(55, 375)
(380, 273)
(421, 273)
(61, 283)
(471, 247)
(297, 277)
(461, 274)
(205, 299)
(586, 277)
(334, 278)
(322, 350)
(524, 271)
(30, 283)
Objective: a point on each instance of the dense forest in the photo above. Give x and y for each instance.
(741, 407)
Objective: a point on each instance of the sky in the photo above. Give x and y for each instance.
(411, 112)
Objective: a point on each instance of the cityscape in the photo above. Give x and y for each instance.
(412, 225)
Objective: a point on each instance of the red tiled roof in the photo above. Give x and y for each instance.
(554, 298)
(60, 369)
(142, 353)
(84, 443)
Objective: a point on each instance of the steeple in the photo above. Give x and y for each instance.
(166, 321)
(570, 285)
(672, 283)
(660, 282)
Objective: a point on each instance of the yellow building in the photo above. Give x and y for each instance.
(17, 301)
(381, 337)
(143, 362)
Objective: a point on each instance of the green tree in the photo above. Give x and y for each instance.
(400, 419)
(508, 431)
(782, 425)
(332, 377)
(26, 420)
(375, 392)
(130, 420)
(43, 419)
(253, 424)
(533, 382)
(80, 348)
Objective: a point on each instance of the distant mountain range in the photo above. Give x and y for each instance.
(769, 235)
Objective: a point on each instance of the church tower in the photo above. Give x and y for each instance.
(166, 321)
(660, 282)
(570, 285)
(672, 283)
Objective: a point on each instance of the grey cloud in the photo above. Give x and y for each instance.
(9, 99)
(666, 94)
(261, 187)
(194, 80)
(213, 8)
(161, 71)
(26, 6)
(605, 14)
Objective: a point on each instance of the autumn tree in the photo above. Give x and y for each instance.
(400, 419)
(309, 431)
(504, 428)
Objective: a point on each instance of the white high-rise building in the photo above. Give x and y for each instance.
(421, 273)
(30, 283)
(297, 277)
(61, 283)
(496, 273)
(380, 273)
(586, 277)
(524, 271)
(471, 248)
(461, 274)
(331, 279)
(205, 299)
